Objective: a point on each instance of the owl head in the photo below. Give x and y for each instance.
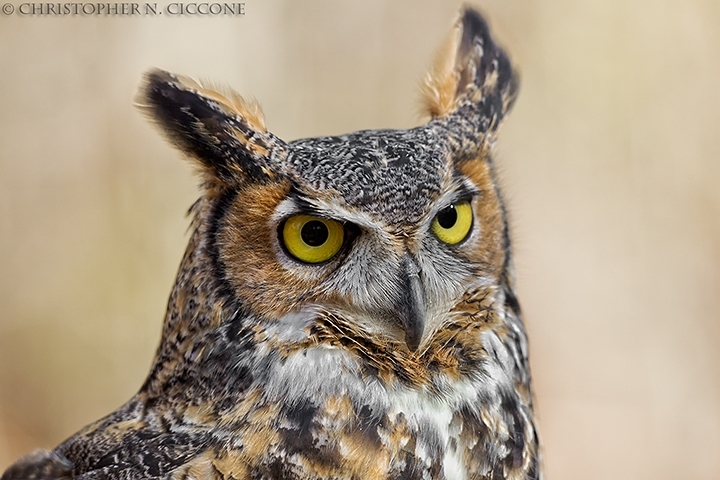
(387, 229)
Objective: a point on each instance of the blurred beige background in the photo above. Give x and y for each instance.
(610, 160)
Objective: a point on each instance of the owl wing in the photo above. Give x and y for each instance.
(40, 465)
(123, 452)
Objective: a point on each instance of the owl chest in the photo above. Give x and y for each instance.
(334, 421)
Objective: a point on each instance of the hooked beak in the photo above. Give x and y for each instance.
(412, 304)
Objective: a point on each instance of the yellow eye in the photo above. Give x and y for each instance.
(312, 239)
(452, 224)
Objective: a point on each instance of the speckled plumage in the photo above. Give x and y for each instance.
(401, 357)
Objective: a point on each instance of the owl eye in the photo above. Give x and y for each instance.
(452, 224)
(312, 239)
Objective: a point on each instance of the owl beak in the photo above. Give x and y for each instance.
(412, 304)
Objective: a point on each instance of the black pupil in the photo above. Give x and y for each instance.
(314, 233)
(447, 217)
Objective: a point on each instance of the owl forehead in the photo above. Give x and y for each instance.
(395, 174)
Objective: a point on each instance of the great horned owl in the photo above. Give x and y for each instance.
(345, 307)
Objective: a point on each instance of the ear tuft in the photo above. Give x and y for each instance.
(234, 103)
(439, 87)
(222, 131)
(469, 69)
